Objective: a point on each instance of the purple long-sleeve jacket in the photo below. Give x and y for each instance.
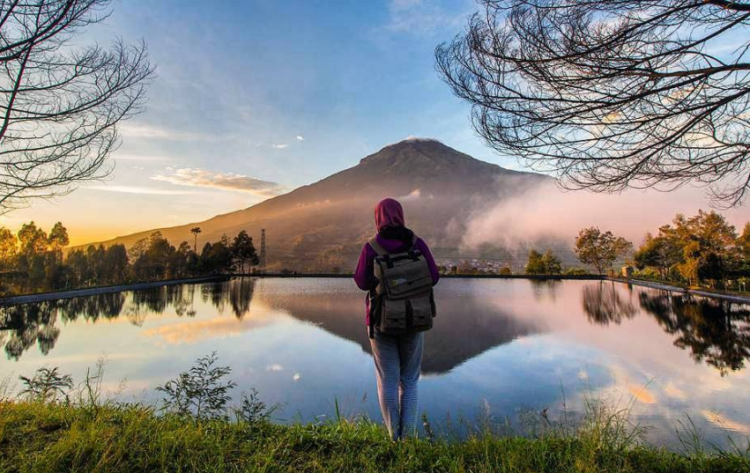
(364, 275)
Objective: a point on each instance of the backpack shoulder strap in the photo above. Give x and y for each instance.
(377, 246)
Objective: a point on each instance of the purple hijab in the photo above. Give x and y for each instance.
(388, 213)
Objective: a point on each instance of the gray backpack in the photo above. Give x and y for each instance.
(403, 300)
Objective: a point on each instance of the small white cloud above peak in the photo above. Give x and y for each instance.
(418, 138)
(300, 138)
(414, 139)
(280, 146)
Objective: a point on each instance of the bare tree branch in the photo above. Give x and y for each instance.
(60, 105)
(612, 94)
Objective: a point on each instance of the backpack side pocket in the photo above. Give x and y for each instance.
(421, 313)
(393, 316)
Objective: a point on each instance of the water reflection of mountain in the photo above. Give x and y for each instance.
(716, 332)
(465, 326)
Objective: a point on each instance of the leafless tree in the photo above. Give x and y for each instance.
(612, 94)
(60, 103)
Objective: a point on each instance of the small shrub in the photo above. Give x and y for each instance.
(575, 272)
(199, 392)
(47, 385)
(649, 273)
(252, 410)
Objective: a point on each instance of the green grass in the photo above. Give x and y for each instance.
(37, 437)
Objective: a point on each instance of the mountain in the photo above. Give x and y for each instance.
(466, 327)
(323, 225)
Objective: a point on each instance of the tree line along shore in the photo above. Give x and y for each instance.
(702, 251)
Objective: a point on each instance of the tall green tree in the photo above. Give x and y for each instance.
(116, 263)
(661, 252)
(547, 263)
(743, 243)
(600, 249)
(708, 245)
(217, 258)
(8, 248)
(195, 231)
(57, 240)
(244, 250)
(552, 264)
(33, 240)
(534, 265)
(58, 237)
(154, 263)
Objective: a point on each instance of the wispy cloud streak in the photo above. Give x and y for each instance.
(219, 180)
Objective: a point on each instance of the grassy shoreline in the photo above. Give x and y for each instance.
(39, 437)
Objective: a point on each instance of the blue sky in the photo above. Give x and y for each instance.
(286, 92)
(256, 97)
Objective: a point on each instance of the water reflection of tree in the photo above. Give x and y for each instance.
(217, 293)
(91, 308)
(544, 287)
(22, 326)
(603, 304)
(156, 301)
(715, 331)
(25, 325)
(153, 300)
(240, 295)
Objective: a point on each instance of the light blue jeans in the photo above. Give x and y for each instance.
(398, 362)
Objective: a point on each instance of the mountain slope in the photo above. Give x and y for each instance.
(323, 225)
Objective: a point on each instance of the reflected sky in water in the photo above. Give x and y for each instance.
(509, 345)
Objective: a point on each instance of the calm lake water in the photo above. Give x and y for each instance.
(500, 348)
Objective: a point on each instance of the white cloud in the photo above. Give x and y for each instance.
(220, 180)
(138, 190)
(300, 138)
(545, 211)
(280, 146)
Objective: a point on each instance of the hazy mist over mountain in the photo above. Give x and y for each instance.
(323, 225)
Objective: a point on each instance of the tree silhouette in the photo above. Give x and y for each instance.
(60, 104)
(600, 249)
(244, 250)
(195, 231)
(610, 94)
(603, 304)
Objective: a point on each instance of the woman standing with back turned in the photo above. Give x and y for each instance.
(398, 358)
